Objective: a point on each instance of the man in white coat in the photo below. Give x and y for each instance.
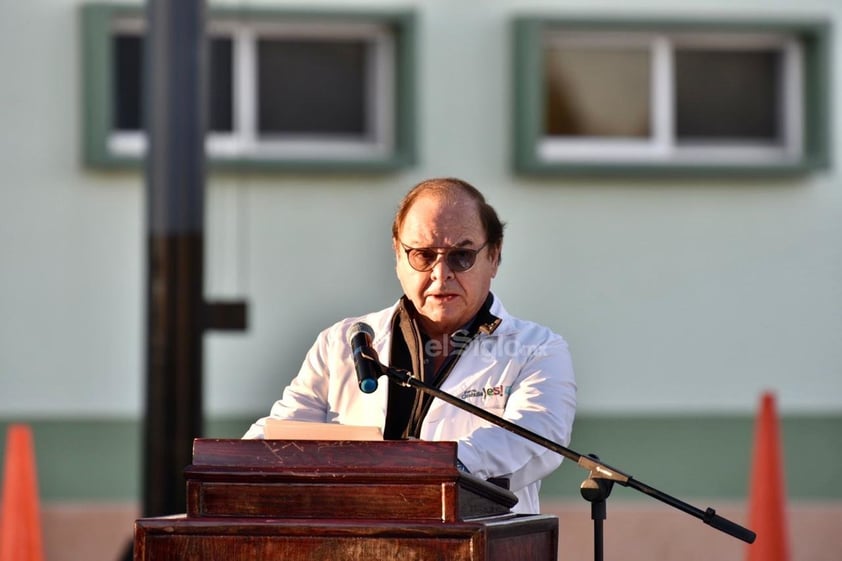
(450, 329)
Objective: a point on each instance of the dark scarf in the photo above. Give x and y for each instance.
(406, 410)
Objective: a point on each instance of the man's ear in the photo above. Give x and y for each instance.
(496, 254)
(396, 247)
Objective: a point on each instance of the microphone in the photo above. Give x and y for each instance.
(365, 358)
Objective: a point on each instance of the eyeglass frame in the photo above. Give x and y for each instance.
(444, 253)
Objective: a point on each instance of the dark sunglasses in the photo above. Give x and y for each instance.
(458, 259)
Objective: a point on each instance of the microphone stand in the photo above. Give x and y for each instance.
(601, 478)
(595, 490)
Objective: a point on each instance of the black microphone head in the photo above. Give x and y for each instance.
(365, 359)
(360, 327)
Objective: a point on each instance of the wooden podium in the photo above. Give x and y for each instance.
(297, 500)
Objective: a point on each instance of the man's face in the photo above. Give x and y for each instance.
(445, 299)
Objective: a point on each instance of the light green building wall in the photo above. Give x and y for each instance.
(682, 298)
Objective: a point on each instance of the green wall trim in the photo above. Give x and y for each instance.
(97, 52)
(704, 456)
(528, 96)
(684, 456)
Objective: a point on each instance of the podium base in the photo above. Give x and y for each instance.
(506, 538)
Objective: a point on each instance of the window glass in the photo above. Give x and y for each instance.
(597, 92)
(600, 98)
(311, 87)
(128, 83)
(221, 80)
(284, 89)
(725, 94)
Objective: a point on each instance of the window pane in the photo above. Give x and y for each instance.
(128, 83)
(311, 87)
(220, 78)
(727, 94)
(597, 92)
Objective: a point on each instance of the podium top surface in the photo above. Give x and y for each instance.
(332, 455)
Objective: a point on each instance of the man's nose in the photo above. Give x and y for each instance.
(441, 270)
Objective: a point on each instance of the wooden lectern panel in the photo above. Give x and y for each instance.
(526, 538)
(280, 500)
(391, 480)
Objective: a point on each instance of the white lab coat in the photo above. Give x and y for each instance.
(522, 372)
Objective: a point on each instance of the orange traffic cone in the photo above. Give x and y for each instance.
(767, 501)
(20, 519)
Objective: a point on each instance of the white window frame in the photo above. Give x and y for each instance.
(662, 146)
(802, 143)
(243, 141)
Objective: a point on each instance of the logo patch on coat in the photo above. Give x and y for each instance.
(486, 392)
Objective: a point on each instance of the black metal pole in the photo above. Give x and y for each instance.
(175, 59)
(174, 100)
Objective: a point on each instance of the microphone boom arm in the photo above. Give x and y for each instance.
(596, 468)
